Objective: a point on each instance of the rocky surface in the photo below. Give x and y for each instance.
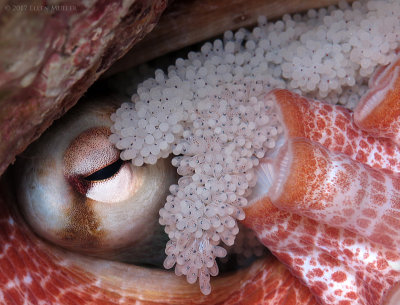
(50, 54)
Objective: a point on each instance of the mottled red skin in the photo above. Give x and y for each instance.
(55, 278)
(334, 127)
(384, 94)
(332, 188)
(299, 241)
(325, 256)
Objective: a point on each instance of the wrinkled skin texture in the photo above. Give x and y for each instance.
(49, 59)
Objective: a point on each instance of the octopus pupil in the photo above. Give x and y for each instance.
(105, 172)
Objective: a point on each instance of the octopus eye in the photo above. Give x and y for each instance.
(76, 192)
(105, 172)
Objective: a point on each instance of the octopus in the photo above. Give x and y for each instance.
(327, 209)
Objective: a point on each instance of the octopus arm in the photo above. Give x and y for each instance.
(333, 189)
(344, 229)
(333, 127)
(378, 112)
(337, 265)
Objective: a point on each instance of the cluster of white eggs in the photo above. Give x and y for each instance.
(208, 110)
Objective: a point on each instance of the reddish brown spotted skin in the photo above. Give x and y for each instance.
(334, 127)
(336, 190)
(337, 265)
(353, 258)
(372, 113)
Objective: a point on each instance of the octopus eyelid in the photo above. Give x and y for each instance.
(79, 195)
(106, 172)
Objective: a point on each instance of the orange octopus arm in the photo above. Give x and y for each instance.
(333, 127)
(378, 112)
(319, 254)
(338, 266)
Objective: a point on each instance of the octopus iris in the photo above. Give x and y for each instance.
(325, 202)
